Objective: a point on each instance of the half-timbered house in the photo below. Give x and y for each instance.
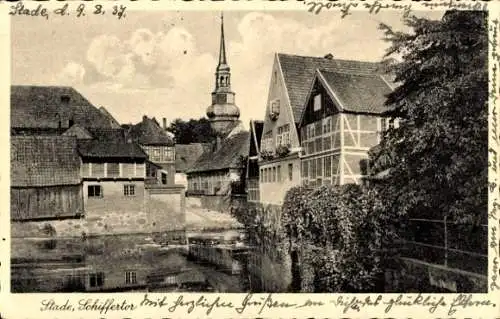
(342, 119)
(280, 149)
(159, 146)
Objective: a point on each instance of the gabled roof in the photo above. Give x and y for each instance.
(227, 156)
(46, 106)
(357, 93)
(298, 73)
(44, 161)
(109, 143)
(149, 132)
(115, 135)
(187, 154)
(256, 128)
(113, 122)
(78, 132)
(107, 149)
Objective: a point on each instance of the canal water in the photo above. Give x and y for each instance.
(159, 263)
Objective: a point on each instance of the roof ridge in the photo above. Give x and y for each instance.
(349, 72)
(322, 58)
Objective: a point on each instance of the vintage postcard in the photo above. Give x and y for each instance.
(192, 159)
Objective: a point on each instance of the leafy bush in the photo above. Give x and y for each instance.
(341, 231)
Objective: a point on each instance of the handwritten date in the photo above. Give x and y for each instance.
(118, 11)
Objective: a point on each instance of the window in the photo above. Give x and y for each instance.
(317, 102)
(304, 169)
(171, 280)
(113, 169)
(319, 144)
(290, 171)
(130, 277)
(96, 279)
(275, 107)
(327, 125)
(310, 131)
(274, 174)
(328, 166)
(163, 178)
(318, 128)
(267, 142)
(156, 152)
(283, 136)
(279, 173)
(94, 191)
(312, 168)
(169, 154)
(319, 167)
(261, 175)
(129, 190)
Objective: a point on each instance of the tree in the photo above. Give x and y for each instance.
(437, 157)
(192, 131)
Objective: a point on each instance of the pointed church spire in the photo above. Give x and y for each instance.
(222, 51)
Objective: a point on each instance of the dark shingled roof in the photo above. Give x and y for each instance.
(44, 161)
(226, 157)
(109, 143)
(359, 93)
(299, 71)
(256, 128)
(149, 132)
(45, 106)
(109, 149)
(187, 154)
(113, 122)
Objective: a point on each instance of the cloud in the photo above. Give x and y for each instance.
(72, 74)
(170, 72)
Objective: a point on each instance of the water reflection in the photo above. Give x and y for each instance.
(159, 263)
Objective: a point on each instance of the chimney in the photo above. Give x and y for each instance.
(144, 117)
(165, 124)
(329, 56)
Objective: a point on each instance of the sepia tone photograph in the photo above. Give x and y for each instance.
(247, 151)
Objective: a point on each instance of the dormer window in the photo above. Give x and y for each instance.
(317, 102)
(65, 99)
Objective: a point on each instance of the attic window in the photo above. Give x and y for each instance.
(65, 99)
(275, 109)
(317, 102)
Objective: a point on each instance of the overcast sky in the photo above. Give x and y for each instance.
(163, 64)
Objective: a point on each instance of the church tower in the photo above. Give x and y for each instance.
(223, 113)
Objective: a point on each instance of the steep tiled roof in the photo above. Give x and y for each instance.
(360, 93)
(46, 106)
(113, 122)
(149, 132)
(256, 128)
(78, 132)
(115, 135)
(187, 154)
(109, 149)
(299, 71)
(44, 161)
(109, 143)
(227, 156)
